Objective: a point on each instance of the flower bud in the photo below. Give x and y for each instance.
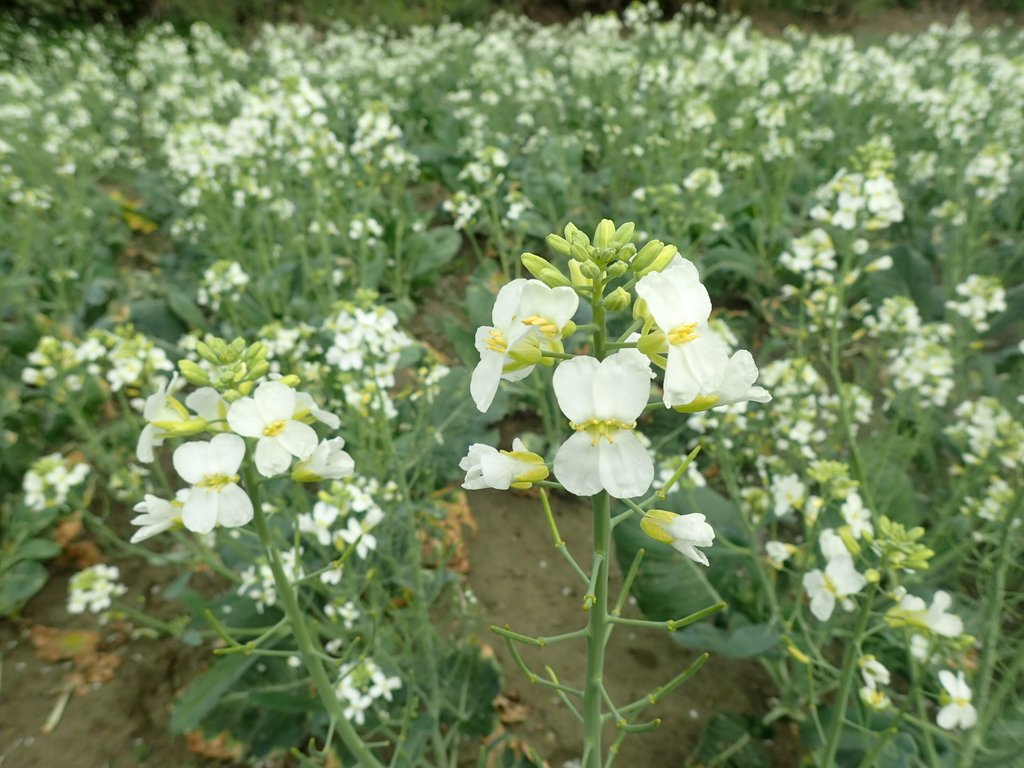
(291, 380)
(662, 260)
(193, 373)
(604, 233)
(581, 253)
(558, 244)
(185, 428)
(617, 300)
(646, 255)
(625, 252)
(258, 371)
(575, 236)
(617, 269)
(206, 352)
(849, 540)
(535, 264)
(624, 233)
(568, 329)
(578, 278)
(591, 270)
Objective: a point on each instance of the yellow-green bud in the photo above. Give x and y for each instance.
(193, 373)
(291, 380)
(698, 404)
(580, 252)
(256, 351)
(207, 353)
(591, 270)
(182, 428)
(617, 270)
(604, 233)
(625, 252)
(237, 347)
(259, 370)
(872, 575)
(574, 235)
(661, 261)
(568, 329)
(646, 255)
(617, 300)
(653, 343)
(624, 233)
(558, 244)
(552, 278)
(576, 273)
(846, 534)
(535, 264)
(640, 311)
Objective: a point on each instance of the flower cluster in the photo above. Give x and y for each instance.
(360, 684)
(94, 588)
(50, 481)
(603, 398)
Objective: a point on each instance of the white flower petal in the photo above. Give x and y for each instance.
(276, 401)
(573, 381)
(577, 464)
(299, 439)
(234, 507)
(191, 460)
(506, 304)
(676, 296)
(620, 388)
(200, 511)
(244, 417)
(272, 458)
(144, 448)
(206, 402)
(626, 468)
(484, 383)
(555, 304)
(226, 454)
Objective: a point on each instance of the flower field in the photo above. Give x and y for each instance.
(675, 341)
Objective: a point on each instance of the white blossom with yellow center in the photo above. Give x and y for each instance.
(699, 372)
(215, 497)
(602, 401)
(528, 317)
(269, 415)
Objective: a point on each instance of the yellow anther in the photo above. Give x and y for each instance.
(495, 341)
(601, 428)
(682, 334)
(274, 428)
(545, 325)
(217, 482)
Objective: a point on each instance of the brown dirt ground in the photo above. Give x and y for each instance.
(521, 580)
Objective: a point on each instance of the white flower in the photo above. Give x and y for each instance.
(839, 580)
(857, 516)
(602, 401)
(327, 462)
(874, 698)
(911, 611)
(166, 416)
(319, 523)
(873, 671)
(157, 515)
(684, 532)
(778, 552)
(93, 588)
(699, 373)
(832, 545)
(269, 415)
(487, 467)
(215, 497)
(358, 533)
(788, 493)
(959, 712)
(528, 316)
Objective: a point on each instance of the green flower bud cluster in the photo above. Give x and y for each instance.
(233, 370)
(898, 547)
(833, 477)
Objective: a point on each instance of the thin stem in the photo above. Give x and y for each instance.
(845, 683)
(597, 635)
(307, 650)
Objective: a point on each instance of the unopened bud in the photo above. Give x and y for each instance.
(576, 273)
(558, 244)
(193, 373)
(580, 252)
(846, 534)
(617, 300)
(662, 260)
(568, 329)
(182, 428)
(646, 255)
(617, 270)
(535, 264)
(574, 235)
(591, 270)
(291, 380)
(258, 371)
(206, 352)
(604, 233)
(624, 233)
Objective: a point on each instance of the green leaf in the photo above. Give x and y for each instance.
(471, 683)
(429, 251)
(153, 318)
(37, 549)
(181, 304)
(204, 693)
(19, 583)
(728, 734)
(740, 643)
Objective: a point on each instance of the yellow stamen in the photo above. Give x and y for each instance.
(274, 428)
(495, 341)
(682, 334)
(601, 428)
(217, 482)
(545, 325)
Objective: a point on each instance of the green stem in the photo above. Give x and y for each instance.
(845, 683)
(307, 650)
(597, 636)
(992, 632)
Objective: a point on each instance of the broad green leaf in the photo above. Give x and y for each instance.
(184, 307)
(37, 549)
(727, 741)
(740, 643)
(19, 583)
(429, 251)
(204, 692)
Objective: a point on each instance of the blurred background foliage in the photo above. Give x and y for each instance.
(238, 17)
